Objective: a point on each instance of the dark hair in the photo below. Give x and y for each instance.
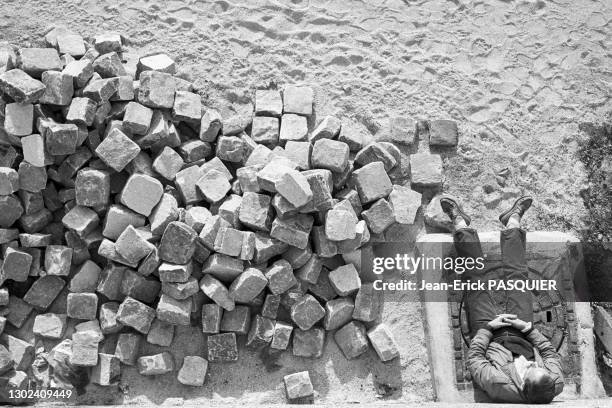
(540, 391)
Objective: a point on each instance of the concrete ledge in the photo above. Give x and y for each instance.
(437, 328)
(591, 386)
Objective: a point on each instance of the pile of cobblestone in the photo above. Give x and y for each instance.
(127, 204)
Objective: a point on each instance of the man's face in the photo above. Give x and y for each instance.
(523, 367)
(529, 366)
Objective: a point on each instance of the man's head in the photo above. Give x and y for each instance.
(539, 386)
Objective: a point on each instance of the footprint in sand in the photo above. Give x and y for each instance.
(318, 38)
(481, 115)
(292, 4)
(339, 61)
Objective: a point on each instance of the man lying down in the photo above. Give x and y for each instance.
(508, 359)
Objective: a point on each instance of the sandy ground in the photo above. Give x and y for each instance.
(518, 76)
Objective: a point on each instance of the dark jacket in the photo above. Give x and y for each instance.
(492, 366)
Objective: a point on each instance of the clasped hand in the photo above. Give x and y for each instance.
(506, 320)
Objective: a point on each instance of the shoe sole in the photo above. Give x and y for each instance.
(466, 217)
(505, 216)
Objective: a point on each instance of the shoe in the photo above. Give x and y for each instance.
(519, 207)
(451, 207)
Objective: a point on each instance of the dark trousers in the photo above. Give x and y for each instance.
(480, 306)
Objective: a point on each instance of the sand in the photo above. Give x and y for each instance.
(518, 76)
